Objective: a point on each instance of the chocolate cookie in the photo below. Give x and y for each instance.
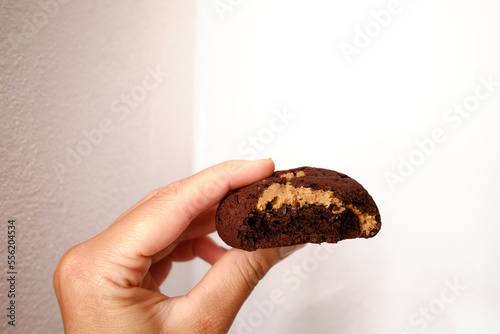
(296, 206)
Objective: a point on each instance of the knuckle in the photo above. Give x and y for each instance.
(174, 197)
(68, 263)
(170, 192)
(72, 269)
(67, 270)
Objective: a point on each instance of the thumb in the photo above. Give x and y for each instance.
(226, 286)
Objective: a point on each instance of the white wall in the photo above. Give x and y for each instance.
(360, 115)
(64, 78)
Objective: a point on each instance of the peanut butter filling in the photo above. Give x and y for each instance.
(286, 194)
(367, 222)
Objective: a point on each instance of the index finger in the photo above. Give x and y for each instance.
(159, 220)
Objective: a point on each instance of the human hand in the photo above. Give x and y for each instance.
(111, 283)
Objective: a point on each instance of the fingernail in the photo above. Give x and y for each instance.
(285, 251)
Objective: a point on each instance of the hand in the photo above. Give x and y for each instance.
(111, 283)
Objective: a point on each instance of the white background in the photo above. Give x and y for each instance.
(230, 74)
(439, 223)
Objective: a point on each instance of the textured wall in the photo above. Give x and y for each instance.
(95, 112)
